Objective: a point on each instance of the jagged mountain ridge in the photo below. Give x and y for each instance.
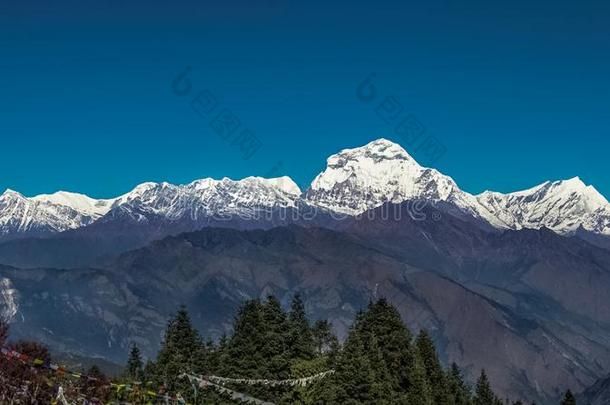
(52, 213)
(360, 179)
(205, 198)
(63, 211)
(563, 206)
(354, 181)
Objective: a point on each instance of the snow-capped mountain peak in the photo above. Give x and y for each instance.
(281, 184)
(562, 206)
(589, 195)
(47, 213)
(285, 184)
(378, 150)
(359, 179)
(8, 193)
(79, 202)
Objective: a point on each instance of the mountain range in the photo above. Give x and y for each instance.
(515, 283)
(355, 180)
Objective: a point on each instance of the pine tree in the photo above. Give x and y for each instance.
(407, 375)
(458, 389)
(568, 399)
(148, 372)
(220, 356)
(275, 347)
(378, 363)
(354, 378)
(483, 392)
(300, 339)
(243, 356)
(382, 387)
(432, 367)
(419, 391)
(133, 370)
(180, 352)
(323, 337)
(325, 342)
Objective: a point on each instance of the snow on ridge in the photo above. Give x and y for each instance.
(562, 206)
(359, 179)
(78, 202)
(208, 197)
(354, 181)
(61, 211)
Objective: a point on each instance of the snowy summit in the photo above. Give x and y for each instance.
(354, 181)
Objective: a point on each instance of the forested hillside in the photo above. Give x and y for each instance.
(272, 356)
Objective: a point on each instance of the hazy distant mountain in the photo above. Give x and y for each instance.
(531, 343)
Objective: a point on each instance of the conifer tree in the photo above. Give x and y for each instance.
(483, 392)
(325, 341)
(181, 350)
(378, 362)
(275, 340)
(354, 378)
(394, 339)
(148, 372)
(243, 356)
(323, 336)
(300, 337)
(432, 366)
(419, 391)
(220, 356)
(382, 388)
(459, 390)
(133, 370)
(568, 399)
(223, 342)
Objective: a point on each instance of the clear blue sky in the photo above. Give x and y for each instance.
(518, 92)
